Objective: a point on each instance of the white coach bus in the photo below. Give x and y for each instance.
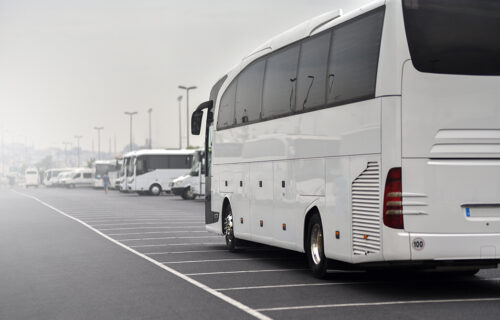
(109, 167)
(371, 138)
(126, 172)
(152, 171)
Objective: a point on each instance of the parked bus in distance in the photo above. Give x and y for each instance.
(192, 184)
(31, 177)
(109, 167)
(152, 171)
(370, 138)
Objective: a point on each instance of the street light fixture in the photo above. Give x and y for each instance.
(179, 99)
(77, 137)
(66, 144)
(187, 111)
(150, 143)
(98, 141)
(131, 114)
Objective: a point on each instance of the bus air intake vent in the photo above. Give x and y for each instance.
(365, 211)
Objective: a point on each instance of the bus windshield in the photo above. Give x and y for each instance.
(454, 36)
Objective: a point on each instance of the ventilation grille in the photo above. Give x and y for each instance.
(365, 211)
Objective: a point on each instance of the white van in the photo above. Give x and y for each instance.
(32, 177)
(192, 184)
(81, 177)
(51, 176)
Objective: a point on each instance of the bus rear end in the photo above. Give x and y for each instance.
(450, 174)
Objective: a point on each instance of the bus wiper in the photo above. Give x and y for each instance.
(308, 91)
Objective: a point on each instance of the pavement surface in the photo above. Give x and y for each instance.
(82, 254)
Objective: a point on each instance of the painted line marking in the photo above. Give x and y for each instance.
(130, 220)
(155, 232)
(183, 252)
(175, 244)
(220, 260)
(242, 271)
(138, 228)
(320, 284)
(288, 286)
(146, 224)
(385, 303)
(198, 284)
(166, 238)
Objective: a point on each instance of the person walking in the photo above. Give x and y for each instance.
(105, 179)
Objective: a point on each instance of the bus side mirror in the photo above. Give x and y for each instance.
(197, 116)
(196, 119)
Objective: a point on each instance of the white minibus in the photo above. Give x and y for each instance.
(192, 184)
(79, 177)
(31, 177)
(371, 138)
(50, 178)
(152, 171)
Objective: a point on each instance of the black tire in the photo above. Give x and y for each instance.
(188, 194)
(315, 247)
(155, 190)
(228, 229)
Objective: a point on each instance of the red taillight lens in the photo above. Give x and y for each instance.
(393, 200)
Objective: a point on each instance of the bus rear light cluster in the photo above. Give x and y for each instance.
(393, 200)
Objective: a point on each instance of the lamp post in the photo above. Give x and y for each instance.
(150, 143)
(131, 114)
(78, 148)
(98, 141)
(66, 144)
(187, 111)
(179, 99)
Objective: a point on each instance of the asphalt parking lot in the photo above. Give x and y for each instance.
(177, 270)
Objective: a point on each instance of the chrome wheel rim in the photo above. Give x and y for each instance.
(229, 228)
(155, 190)
(316, 244)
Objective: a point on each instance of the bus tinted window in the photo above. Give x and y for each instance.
(180, 161)
(226, 107)
(279, 83)
(354, 53)
(312, 72)
(454, 36)
(249, 93)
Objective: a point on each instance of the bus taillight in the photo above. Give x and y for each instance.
(393, 201)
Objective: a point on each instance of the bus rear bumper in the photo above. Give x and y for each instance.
(426, 246)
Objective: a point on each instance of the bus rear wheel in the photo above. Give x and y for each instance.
(315, 247)
(155, 190)
(228, 229)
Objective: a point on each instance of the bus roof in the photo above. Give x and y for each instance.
(163, 152)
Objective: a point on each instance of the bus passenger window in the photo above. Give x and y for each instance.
(312, 72)
(249, 93)
(226, 107)
(352, 72)
(280, 82)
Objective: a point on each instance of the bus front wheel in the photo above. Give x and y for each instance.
(315, 248)
(188, 194)
(228, 229)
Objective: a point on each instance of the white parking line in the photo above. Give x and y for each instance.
(220, 260)
(194, 282)
(242, 271)
(138, 228)
(140, 220)
(367, 304)
(183, 252)
(155, 232)
(147, 223)
(166, 238)
(175, 244)
(321, 284)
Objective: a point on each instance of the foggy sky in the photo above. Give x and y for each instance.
(67, 66)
